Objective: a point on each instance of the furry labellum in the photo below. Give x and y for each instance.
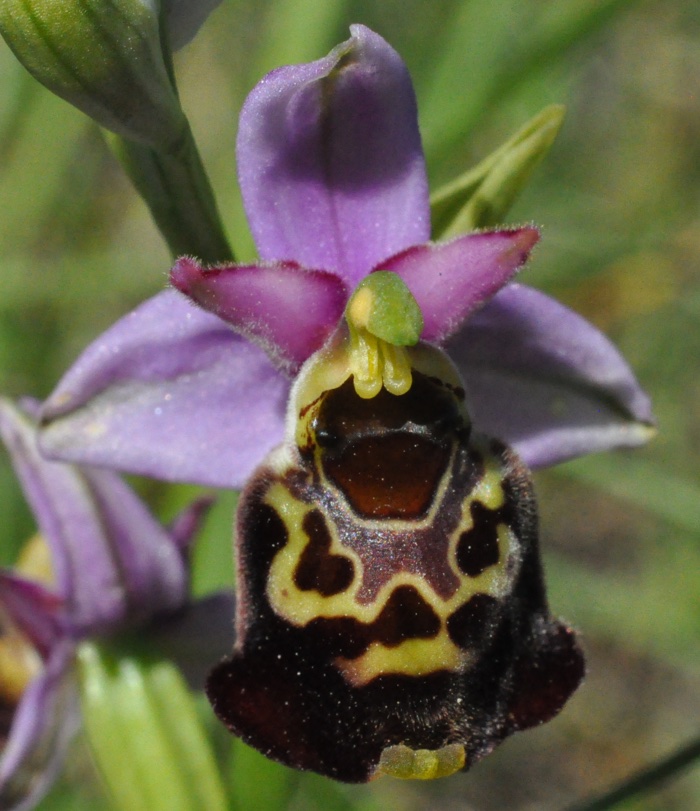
(392, 616)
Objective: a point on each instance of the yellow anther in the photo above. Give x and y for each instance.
(34, 561)
(375, 363)
(19, 662)
(360, 307)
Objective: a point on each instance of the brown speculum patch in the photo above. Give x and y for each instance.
(388, 454)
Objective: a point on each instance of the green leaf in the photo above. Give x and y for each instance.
(146, 739)
(259, 783)
(482, 196)
(647, 484)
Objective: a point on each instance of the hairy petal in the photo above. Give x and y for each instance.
(285, 309)
(543, 379)
(46, 719)
(114, 563)
(169, 391)
(450, 280)
(330, 160)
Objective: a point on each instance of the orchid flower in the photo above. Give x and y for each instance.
(391, 613)
(334, 184)
(101, 565)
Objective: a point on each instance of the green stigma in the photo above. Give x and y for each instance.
(383, 318)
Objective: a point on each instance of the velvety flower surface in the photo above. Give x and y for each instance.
(102, 564)
(334, 184)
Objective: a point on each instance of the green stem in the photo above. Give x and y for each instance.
(177, 191)
(648, 778)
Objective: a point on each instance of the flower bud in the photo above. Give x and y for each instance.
(482, 196)
(103, 56)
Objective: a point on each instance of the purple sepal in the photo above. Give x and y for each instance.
(169, 391)
(330, 160)
(114, 564)
(44, 722)
(543, 379)
(286, 309)
(450, 280)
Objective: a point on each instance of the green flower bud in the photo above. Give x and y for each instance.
(482, 196)
(106, 57)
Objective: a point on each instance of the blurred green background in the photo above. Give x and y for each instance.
(617, 199)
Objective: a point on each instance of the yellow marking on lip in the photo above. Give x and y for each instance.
(301, 606)
(490, 491)
(413, 657)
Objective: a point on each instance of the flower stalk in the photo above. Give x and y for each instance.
(175, 187)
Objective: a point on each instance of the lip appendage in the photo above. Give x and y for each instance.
(392, 616)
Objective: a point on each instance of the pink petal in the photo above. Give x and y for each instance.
(450, 280)
(285, 309)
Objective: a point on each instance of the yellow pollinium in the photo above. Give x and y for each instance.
(35, 561)
(421, 764)
(383, 318)
(19, 662)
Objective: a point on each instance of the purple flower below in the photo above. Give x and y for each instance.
(102, 564)
(334, 185)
